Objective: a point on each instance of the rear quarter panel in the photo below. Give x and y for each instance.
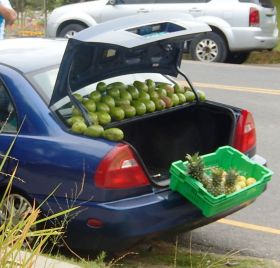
(48, 154)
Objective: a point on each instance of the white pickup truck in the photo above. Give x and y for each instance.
(238, 26)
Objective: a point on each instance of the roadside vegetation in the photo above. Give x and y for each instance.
(161, 254)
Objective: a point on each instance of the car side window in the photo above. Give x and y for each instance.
(8, 118)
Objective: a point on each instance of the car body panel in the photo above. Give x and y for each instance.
(122, 10)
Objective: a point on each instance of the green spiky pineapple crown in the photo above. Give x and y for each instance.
(217, 176)
(196, 166)
(231, 178)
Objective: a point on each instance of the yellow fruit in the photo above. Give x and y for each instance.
(242, 184)
(250, 181)
(241, 178)
(237, 187)
(224, 176)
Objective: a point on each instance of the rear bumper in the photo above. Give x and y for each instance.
(130, 221)
(247, 39)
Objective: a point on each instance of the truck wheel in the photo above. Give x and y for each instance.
(237, 57)
(69, 30)
(209, 47)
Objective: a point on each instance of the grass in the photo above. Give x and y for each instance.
(277, 3)
(162, 254)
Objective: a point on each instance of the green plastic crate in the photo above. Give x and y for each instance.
(225, 157)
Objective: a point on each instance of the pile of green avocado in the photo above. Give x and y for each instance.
(117, 101)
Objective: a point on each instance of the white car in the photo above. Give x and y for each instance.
(238, 26)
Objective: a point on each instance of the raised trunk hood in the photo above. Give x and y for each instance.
(150, 42)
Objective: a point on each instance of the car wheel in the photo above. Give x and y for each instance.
(237, 57)
(69, 30)
(209, 47)
(14, 208)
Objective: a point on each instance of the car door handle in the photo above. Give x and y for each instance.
(142, 10)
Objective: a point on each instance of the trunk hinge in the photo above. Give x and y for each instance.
(77, 103)
(188, 81)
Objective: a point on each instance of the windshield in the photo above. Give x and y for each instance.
(44, 82)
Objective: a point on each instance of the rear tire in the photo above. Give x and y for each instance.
(70, 30)
(15, 208)
(209, 47)
(237, 57)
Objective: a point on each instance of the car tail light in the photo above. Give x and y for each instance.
(245, 133)
(120, 170)
(254, 17)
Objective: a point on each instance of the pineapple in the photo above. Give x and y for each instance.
(217, 187)
(230, 182)
(196, 169)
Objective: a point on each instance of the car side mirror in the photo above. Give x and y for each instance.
(112, 2)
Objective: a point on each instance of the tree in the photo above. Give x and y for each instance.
(20, 5)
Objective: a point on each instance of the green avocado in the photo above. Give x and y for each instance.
(201, 95)
(141, 86)
(90, 105)
(117, 113)
(109, 100)
(95, 95)
(129, 111)
(102, 107)
(113, 134)
(101, 87)
(140, 107)
(189, 96)
(150, 106)
(79, 127)
(150, 83)
(95, 131)
(113, 92)
(103, 118)
(133, 92)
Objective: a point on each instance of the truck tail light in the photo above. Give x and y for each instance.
(245, 133)
(254, 17)
(120, 169)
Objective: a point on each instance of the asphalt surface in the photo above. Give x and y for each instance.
(255, 230)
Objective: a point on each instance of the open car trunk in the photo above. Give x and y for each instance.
(162, 138)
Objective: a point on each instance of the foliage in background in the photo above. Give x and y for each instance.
(277, 3)
(21, 5)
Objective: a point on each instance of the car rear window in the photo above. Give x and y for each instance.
(264, 3)
(267, 3)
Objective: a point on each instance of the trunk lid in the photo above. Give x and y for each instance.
(148, 42)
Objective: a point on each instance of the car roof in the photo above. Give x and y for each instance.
(31, 54)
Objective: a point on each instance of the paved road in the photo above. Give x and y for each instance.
(254, 230)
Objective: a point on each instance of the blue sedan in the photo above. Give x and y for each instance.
(120, 202)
